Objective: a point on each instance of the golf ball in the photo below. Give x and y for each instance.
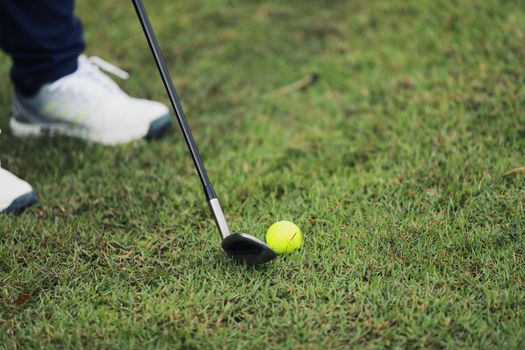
(284, 237)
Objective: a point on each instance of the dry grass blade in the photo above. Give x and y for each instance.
(520, 169)
(302, 84)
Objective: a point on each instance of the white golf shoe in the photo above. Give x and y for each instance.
(15, 194)
(87, 104)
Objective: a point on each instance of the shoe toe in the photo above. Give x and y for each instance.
(158, 127)
(21, 203)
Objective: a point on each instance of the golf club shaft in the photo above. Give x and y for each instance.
(166, 79)
(213, 202)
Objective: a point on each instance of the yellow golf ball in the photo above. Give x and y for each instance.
(284, 237)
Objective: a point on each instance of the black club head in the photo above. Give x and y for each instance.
(247, 249)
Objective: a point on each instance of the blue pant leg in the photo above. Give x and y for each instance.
(43, 38)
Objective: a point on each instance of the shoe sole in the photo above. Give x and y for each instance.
(156, 129)
(21, 203)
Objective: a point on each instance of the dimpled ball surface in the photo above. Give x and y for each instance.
(284, 237)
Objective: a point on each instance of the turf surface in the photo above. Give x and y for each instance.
(397, 165)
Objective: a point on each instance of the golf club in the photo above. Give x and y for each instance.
(240, 246)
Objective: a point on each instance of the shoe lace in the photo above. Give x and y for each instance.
(108, 67)
(90, 70)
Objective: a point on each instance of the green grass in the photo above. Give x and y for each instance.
(393, 165)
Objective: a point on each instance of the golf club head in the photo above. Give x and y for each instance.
(247, 249)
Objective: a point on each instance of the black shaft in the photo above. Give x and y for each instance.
(168, 84)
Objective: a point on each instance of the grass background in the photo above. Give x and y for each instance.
(393, 165)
